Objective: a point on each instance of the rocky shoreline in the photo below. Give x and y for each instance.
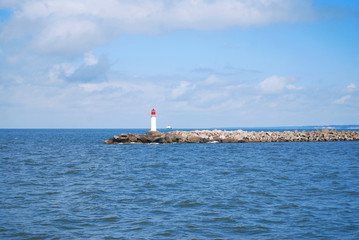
(238, 136)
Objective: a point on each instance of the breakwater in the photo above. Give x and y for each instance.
(238, 136)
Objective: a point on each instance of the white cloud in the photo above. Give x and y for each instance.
(67, 25)
(112, 97)
(209, 98)
(187, 94)
(352, 86)
(276, 84)
(92, 69)
(94, 87)
(67, 35)
(293, 87)
(234, 87)
(212, 80)
(181, 89)
(343, 100)
(90, 59)
(60, 70)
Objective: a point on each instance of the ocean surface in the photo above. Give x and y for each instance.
(67, 184)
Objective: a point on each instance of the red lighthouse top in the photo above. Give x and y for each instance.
(153, 112)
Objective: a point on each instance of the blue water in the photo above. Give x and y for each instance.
(67, 184)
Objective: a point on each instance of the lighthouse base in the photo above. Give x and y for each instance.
(153, 123)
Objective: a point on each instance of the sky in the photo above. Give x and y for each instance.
(199, 63)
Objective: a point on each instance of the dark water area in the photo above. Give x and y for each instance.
(67, 184)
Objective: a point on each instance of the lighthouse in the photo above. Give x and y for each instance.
(153, 120)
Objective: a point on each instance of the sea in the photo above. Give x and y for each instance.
(68, 184)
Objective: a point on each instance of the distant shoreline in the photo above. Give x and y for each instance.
(237, 136)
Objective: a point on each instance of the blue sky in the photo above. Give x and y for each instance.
(200, 63)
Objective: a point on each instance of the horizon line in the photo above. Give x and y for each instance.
(140, 128)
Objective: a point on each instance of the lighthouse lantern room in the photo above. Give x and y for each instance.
(153, 120)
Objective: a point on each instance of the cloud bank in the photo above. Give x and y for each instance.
(76, 26)
(53, 72)
(276, 84)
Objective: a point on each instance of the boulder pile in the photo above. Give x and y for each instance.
(238, 136)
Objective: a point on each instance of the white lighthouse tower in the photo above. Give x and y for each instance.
(153, 120)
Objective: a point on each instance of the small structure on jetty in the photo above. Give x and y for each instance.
(153, 120)
(238, 136)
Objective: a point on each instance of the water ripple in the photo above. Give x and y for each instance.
(66, 184)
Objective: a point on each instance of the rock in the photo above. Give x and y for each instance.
(193, 139)
(233, 136)
(124, 138)
(155, 136)
(170, 137)
(215, 139)
(142, 138)
(133, 137)
(110, 141)
(229, 140)
(175, 137)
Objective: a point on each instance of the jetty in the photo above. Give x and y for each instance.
(237, 136)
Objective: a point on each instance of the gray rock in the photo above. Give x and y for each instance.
(155, 136)
(193, 139)
(204, 136)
